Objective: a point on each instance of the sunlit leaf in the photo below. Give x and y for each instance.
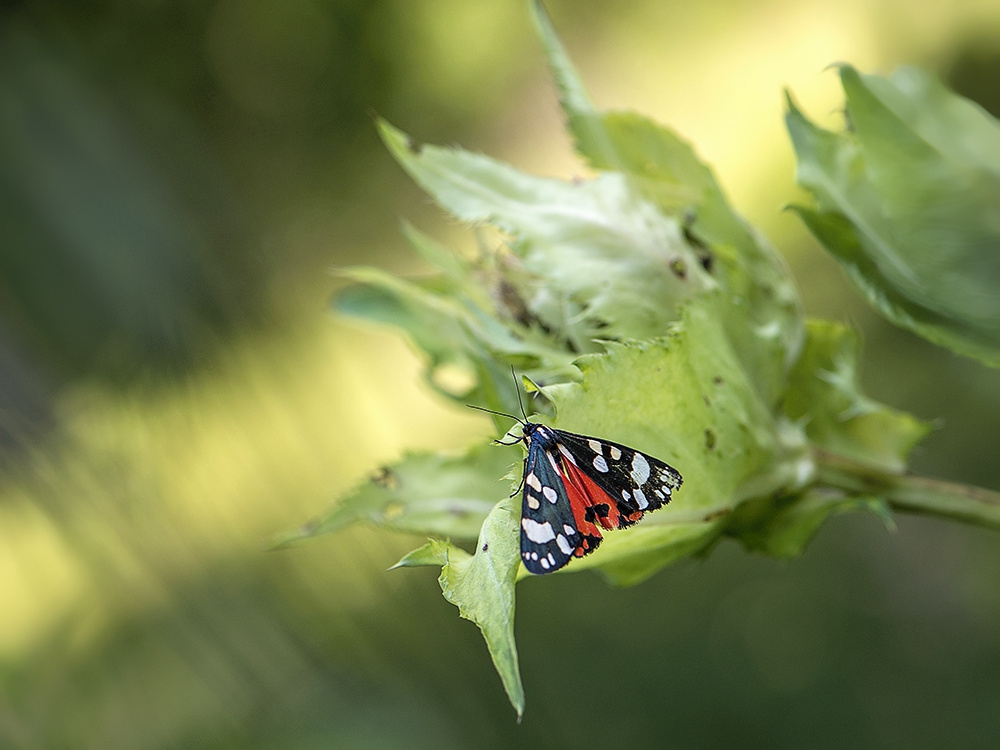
(448, 496)
(600, 260)
(446, 323)
(437, 255)
(436, 322)
(765, 327)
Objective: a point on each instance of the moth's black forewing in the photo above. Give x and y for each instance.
(546, 541)
(620, 471)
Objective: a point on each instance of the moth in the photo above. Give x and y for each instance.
(576, 485)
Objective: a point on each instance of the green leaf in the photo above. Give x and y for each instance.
(908, 200)
(624, 142)
(440, 256)
(448, 496)
(786, 527)
(693, 344)
(599, 260)
(435, 552)
(447, 324)
(482, 587)
(435, 322)
(687, 400)
(765, 325)
(824, 395)
(629, 558)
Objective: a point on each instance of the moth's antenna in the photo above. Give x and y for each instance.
(505, 414)
(517, 390)
(490, 411)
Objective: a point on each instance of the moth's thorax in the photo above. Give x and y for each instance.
(538, 434)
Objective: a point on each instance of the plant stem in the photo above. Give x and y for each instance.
(911, 494)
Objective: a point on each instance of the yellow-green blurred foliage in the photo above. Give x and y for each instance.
(177, 178)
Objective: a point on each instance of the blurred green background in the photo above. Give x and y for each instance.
(176, 181)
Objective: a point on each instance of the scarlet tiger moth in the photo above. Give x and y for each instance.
(576, 485)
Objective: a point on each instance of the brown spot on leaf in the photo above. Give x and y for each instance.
(714, 516)
(386, 478)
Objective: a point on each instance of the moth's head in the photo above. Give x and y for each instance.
(529, 428)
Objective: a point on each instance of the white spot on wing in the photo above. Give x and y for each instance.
(545, 563)
(550, 494)
(615, 453)
(532, 481)
(625, 495)
(640, 469)
(600, 464)
(531, 500)
(539, 533)
(640, 499)
(595, 446)
(570, 531)
(564, 545)
(565, 451)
